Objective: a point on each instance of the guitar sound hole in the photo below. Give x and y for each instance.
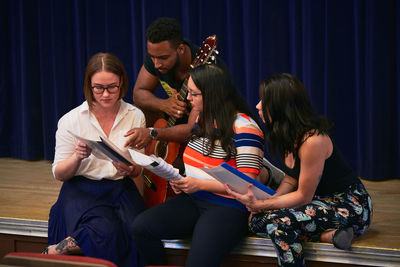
(161, 150)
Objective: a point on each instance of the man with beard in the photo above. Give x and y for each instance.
(167, 62)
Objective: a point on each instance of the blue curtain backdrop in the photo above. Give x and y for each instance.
(345, 52)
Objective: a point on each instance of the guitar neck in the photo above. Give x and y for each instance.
(204, 54)
(184, 90)
(181, 96)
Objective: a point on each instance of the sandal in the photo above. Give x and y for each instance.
(45, 250)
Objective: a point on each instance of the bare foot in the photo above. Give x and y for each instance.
(65, 247)
(50, 250)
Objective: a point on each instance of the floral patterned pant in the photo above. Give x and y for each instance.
(287, 228)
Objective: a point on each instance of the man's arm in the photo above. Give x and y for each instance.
(178, 133)
(140, 137)
(144, 98)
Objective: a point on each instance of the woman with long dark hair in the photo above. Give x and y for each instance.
(320, 198)
(225, 132)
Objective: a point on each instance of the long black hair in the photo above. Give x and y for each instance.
(221, 102)
(288, 114)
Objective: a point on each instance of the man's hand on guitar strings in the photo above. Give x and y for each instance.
(139, 138)
(174, 107)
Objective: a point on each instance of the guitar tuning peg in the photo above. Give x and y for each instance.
(213, 58)
(216, 52)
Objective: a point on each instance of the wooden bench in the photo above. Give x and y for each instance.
(256, 251)
(18, 235)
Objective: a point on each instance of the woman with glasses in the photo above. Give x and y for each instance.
(225, 131)
(320, 198)
(99, 199)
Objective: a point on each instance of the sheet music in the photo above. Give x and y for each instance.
(238, 181)
(156, 165)
(105, 149)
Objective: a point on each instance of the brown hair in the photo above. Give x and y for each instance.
(109, 63)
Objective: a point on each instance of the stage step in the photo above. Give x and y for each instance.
(251, 247)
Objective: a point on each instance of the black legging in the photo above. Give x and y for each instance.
(215, 230)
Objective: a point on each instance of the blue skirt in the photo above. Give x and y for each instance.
(98, 215)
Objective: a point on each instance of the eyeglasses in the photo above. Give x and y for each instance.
(193, 94)
(111, 89)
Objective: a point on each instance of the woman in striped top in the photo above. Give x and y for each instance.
(225, 131)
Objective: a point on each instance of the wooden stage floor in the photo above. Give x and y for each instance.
(28, 190)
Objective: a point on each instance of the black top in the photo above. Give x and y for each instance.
(336, 177)
(169, 77)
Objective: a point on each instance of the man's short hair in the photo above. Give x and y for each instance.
(165, 29)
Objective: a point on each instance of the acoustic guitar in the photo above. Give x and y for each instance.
(169, 151)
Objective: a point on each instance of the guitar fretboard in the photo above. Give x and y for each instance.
(181, 96)
(203, 56)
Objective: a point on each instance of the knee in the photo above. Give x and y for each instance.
(110, 229)
(138, 226)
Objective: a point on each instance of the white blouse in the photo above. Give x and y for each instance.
(82, 122)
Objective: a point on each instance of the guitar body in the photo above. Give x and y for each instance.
(169, 152)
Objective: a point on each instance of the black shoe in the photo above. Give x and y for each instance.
(343, 237)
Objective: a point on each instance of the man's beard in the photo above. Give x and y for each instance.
(176, 65)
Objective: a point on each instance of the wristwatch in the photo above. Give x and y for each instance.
(153, 133)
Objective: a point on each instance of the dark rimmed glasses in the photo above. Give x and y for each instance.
(111, 89)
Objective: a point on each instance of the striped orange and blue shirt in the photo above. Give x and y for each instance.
(249, 143)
